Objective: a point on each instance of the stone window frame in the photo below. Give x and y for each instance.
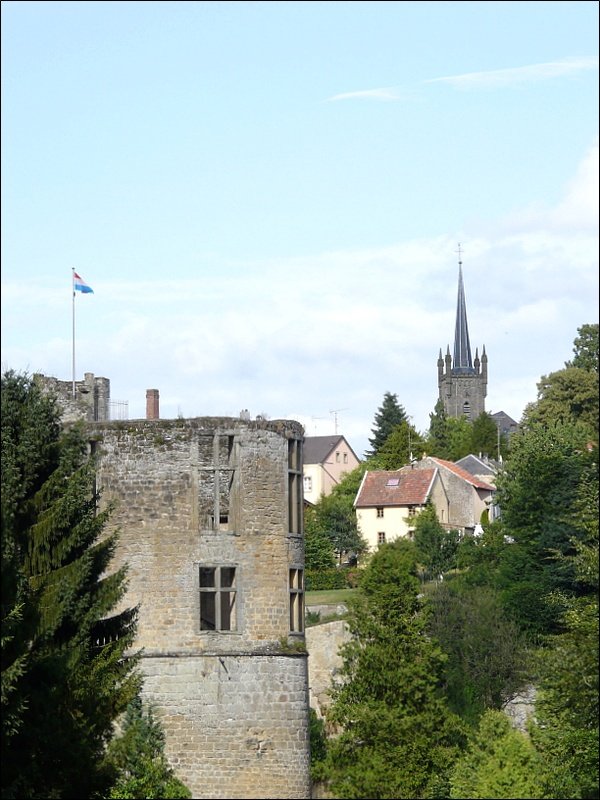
(218, 630)
(296, 593)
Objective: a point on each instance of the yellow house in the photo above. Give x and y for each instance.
(326, 460)
(388, 501)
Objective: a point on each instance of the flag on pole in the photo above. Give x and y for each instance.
(79, 285)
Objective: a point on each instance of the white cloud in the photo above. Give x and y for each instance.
(499, 78)
(384, 94)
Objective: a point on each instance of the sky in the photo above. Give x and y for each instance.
(267, 199)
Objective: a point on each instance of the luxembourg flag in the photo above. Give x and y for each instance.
(79, 285)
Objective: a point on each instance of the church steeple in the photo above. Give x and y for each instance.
(462, 382)
(463, 363)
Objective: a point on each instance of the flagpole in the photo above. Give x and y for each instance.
(73, 290)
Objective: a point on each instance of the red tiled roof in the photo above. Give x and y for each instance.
(412, 490)
(462, 473)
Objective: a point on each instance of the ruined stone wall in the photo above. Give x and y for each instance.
(91, 401)
(215, 496)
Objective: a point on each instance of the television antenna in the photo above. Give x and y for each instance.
(335, 412)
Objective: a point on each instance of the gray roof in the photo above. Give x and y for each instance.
(478, 466)
(317, 448)
(462, 346)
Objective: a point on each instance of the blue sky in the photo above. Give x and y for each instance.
(267, 199)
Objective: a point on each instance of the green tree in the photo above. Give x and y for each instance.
(397, 737)
(566, 730)
(436, 547)
(484, 436)
(438, 439)
(318, 548)
(538, 492)
(585, 348)
(460, 436)
(499, 763)
(487, 653)
(138, 759)
(402, 443)
(569, 395)
(66, 675)
(389, 414)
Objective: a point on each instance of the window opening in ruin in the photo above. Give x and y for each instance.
(217, 482)
(296, 600)
(218, 595)
(294, 486)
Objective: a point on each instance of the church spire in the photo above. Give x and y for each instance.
(462, 347)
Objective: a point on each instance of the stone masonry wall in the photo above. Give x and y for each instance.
(214, 492)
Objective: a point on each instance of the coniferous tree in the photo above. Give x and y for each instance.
(65, 673)
(397, 737)
(485, 437)
(389, 414)
(438, 439)
(138, 758)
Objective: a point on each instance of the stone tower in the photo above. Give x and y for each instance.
(462, 382)
(210, 518)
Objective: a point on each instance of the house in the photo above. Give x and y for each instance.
(468, 495)
(480, 467)
(326, 460)
(388, 501)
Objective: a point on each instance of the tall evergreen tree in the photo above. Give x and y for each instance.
(403, 443)
(397, 737)
(485, 437)
(65, 673)
(438, 439)
(389, 414)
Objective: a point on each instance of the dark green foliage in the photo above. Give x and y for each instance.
(499, 763)
(318, 547)
(397, 738)
(585, 348)
(487, 653)
(484, 436)
(537, 492)
(318, 745)
(65, 676)
(402, 443)
(438, 439)
(569, 395)
(389, 414)
(318, 580)
(137, 758)
(334, 516)
(436, 547)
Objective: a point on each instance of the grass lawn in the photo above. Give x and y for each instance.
(328, 597)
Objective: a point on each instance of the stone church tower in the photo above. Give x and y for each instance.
(462, 382)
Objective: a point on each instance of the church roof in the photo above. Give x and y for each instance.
(462, 346)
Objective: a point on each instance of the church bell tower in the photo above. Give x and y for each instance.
(462, 382)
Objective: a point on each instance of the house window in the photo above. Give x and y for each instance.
(379, 513)
(296, 600)
(217, 598)
(337, 457)
(345, 458)
(381, 537)
(308, 483)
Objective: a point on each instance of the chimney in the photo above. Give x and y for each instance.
(152, 404)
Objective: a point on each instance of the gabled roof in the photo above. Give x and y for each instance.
(477, 466)
(462, 473)
(318, 448)
(395, 488)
